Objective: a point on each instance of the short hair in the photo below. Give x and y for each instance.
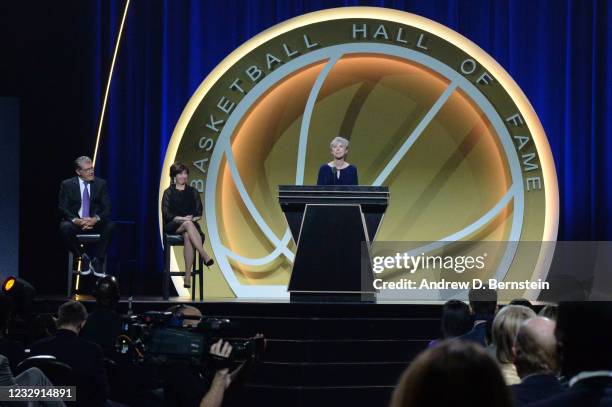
(71, 313)
(534, 351)
(82, 159)
(339, 140)
(177, 168)
(505, 326)
(445, 375)
(483, 301)
(456, 319)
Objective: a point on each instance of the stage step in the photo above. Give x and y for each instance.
(322, 354)
(336, 328)
(330, 355)
(364, 350)
(371, 396)
(311, 374)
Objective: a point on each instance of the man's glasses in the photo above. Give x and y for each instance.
(90, 169)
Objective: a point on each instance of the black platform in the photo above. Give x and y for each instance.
(329, 225)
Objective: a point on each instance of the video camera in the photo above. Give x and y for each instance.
(161, 336)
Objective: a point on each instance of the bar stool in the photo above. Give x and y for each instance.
(83, 239)
(198, 267)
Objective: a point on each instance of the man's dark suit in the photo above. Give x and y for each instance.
(103, 327)
(593, 392)
(535, 388)
(69, 203)
(86, 360)
(478, 334)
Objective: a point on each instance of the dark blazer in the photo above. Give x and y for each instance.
(535, 388)
(180, 203)
(596, 391)
(69, 201)
(478, 334)
(103, 327)
(86, 360)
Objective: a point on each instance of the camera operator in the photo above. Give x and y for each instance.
(222, 378)
(183, 352)
(130, 383)
(186, 386)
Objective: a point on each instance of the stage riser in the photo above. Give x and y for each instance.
(323, 374)
(304, 397)
(314, 328)
(343, 351)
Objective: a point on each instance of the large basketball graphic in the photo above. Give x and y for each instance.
(427, 113)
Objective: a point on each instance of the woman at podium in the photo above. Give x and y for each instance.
(181, 210)
(338, 171)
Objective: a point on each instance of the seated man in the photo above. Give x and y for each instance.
(584, 339)
(104, 323)
(535, 358)
(84, 357)
(84, 206)
(483, 303)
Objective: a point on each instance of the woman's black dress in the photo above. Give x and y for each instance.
(345, 176)
(180, 203)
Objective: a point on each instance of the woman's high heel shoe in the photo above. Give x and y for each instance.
(209, 263)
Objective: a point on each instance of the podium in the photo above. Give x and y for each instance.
(329, 224)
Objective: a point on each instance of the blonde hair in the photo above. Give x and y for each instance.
(339, 140)
(505, 327)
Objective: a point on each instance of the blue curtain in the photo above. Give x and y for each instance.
(557, 51)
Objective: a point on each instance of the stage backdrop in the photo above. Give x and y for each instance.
(195, 36)
(428, 114)
(557, 52)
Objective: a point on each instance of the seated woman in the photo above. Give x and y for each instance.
(181, 210)
(505, 327)
(338, 171)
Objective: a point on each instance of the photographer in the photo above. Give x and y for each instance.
(184, 353)
(186, 385)
(221, 380)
